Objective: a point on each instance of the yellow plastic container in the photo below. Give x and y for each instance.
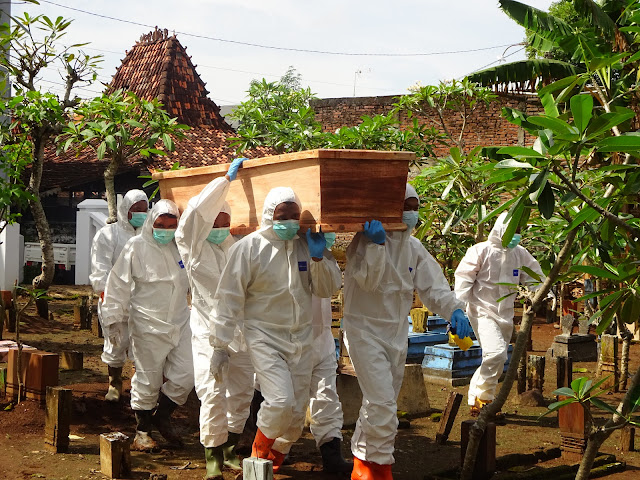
(464, 343)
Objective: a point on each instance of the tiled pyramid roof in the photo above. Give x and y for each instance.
(158, 67)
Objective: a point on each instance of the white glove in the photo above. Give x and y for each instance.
(116, 333)
(219, 363)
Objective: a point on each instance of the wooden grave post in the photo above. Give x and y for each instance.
(96, 329)
(522, 375)
(608, 361)
(627, 438)
(535, 372)
(257, 469)
(115, 455)
(448, 417)
(485, 465)
(573, 423)
(564, 372)
(71, 360)
(57, 419)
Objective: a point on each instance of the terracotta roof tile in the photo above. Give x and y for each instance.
(158, 67)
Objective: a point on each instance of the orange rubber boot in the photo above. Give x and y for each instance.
(277, 458)
(261, 447)
(363, 470)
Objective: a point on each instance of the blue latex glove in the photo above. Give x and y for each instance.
(316, 242)
(233, 168)
(374, 231)
(460, 324)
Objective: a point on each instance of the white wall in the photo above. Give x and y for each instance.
(92, 216)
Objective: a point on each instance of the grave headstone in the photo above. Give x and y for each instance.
(485, 466)
(608, 361)
(57, 419)
(115, 455)
(448, 417)
(578, 347)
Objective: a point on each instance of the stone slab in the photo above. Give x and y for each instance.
(579, 348)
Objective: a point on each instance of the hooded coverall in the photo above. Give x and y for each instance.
(478, 275)
(149, 285)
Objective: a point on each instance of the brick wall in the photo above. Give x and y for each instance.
(486, 127)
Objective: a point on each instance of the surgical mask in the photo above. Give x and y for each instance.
(410, 218)
(164, 235)
(137, 219)
(286, 229)
(330, 239)
(218, 235)
(514, 241)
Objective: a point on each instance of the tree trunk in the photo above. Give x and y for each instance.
(45, 279)
(110, 187)
(601, 434)
(626, 346)
(489, 411)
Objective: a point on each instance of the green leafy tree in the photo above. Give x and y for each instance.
(36, 44)
(277, 115)
(120, 126)
(581, 173)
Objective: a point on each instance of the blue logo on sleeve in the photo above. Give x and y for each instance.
(515, 272)
(302, 266)
(410, 269)
(181, 264)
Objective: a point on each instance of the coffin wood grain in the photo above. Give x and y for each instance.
(339, 189)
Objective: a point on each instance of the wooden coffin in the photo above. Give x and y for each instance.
(339, 189)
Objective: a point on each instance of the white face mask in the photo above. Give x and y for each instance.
(410, 218)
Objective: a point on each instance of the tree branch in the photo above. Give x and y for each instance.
(605, 213)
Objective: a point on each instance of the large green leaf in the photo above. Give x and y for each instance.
(545, 30)
(581, 109)
(511, 163)
(595, 271)
(520, 152)
(592, 12)
(557, 126)
(547, 201)
(516, 218)
(525, 71)
(622, 143)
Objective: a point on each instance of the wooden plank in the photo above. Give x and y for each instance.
(323, 181)
(485, 465)
(257, 469)
(71, 360)
(42, 372)
(627, 438)
(564, 372)
(608, 362)
(115, 455)
(57, 419)
(448, 417)
(535, 372)
(323, 153)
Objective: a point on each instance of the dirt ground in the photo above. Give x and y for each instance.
(417, 455)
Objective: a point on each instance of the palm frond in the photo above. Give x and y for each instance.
(546, 31)
(524, 75)
(592, 12)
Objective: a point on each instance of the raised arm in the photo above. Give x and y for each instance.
(197, 220)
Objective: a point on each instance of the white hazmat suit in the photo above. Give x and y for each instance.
(266, 286)
(478, 275)
(149, 285)
(105, 250)
(224, 406)
(324, 405)
(378, 292)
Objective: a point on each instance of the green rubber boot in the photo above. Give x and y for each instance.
(215, 459)
(231, 459)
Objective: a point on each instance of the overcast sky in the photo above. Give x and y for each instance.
(343, 26)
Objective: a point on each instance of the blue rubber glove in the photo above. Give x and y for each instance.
(374, 231)
(233, 168)
(460, 324)
(316, 242)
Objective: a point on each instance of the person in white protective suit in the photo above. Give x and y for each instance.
(383, 269)
(267, 286)
(203, 242)
(149, 285)
(478, 278)
(105, 250)
(324, 405)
